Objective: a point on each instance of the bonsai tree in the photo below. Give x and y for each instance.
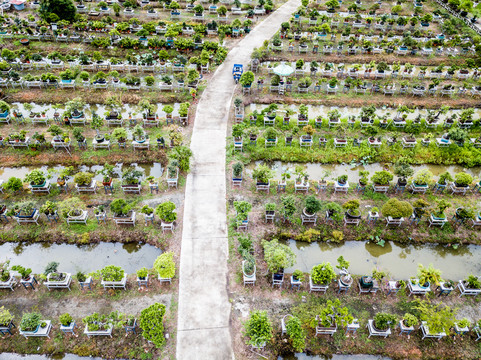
(471, 282)
(288, 206)
(352, 206)
(151, 323)
(331, 313)
(296, 333)
(35, 177)
(363, 177)
(120, 134)
(120, 207)
(442, 205)
(65, 319)
(409, 320)
(242, 209)
(71, 206)
(131, 176)
(14, 184)
(147, 210)
(165, 265)
(423, 177)
(403, 169)
(237, 169)
(462, 179)
(323, 274)
(262, 174)
(24, 272)
(111, 273)
(247, 78)
(83, 178)
(428, 275)
(383, 321)
(30, 321)
(277, 256)
(165, 212)
(396, 209)
(5, 317)
(444, 178)
(142, 273)
(258, 328)
(419, 206)
(381, 178)
(312, 205)
(439, 318)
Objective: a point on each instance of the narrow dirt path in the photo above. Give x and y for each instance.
(204, 308)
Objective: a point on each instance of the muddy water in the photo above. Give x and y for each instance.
(317, 171)
(334, 357)
(400, 261)
(154, 170)
(73, 258)
(100, 109)
(321, 110)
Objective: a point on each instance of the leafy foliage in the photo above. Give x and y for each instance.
(151, 323)
(165, 265)
(277, 256)
(296, 333)
(323, 273)
(258, 328)
(111, 273)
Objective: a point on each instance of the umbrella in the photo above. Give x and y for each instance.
(283, 70)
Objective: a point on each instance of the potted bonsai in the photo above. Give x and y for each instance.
(120, 134)
(242, 209)
(165, 266)
(381, 178)
(143, 274)
(278, 257)
(443, 179)
(403, 170)
(6, 320)
(83, 179)
(428, 275)
(352, 207)
(30, 322)
(442, 205)
(25, 273)
(120, 208)
(237, 170)
(148, 213)
(462, 180)
(166, 212)
(66, 322)
(311, 206)
(422, 178)
(363, 178)
(262, 174)
(408, 322)
(36, 178)
(270, 209)
(345, 277)
(322, 274)
(396, 209)
(383, 322)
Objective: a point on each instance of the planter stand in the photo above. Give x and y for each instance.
(315, 287)
(308, 219)
(115, 284)
(149, 218)
(392, 287)
(477, 331)
(278, 279)
(125, 220)
(325, 330)
(86, 284)
(109, 188)
(90, 188)
(404, 329)
(444, 290)
(4, 330)
(101, 217)
(154, 187)
(68, 329)
(436, 221)
(236, 182)
(427, 334)
(392, 221)
(132, 188)
(460, 331)
(29, 283)
(367, 290)
(342, 287)
(31, 219)
(167, 226)
(81, 219)
(40, 331)
(38, 189)
(64, 284)
(248, 279)
(295, 283)
(352, 327)
(107, 332)
(463, 290)
(301, 187)
(9, 284)
(417, 289)
(374, 332)
(372, 218)
(341, 188)
(131, 328)
(164, 280)
(143, 282)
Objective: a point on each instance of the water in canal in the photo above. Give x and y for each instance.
(400, 261)
(86, 258)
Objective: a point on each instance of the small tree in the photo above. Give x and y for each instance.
(247, 79)
(277, 256)
(296, 333)
(165, 212)
(258, 328)
(151, 323)
(323, 274)
(396, 209)
(165, 265)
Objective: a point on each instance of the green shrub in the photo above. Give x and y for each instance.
(423, 177)
(381, 177)
(35, 177)
(112, 273)
(165, 212)
(262, 174)
(463, 179)
(296, 333)
(13, 184)
(65, 319)
(312, 205)
(383, 321)
(119, 207)
(83, 178)
(5, 317)
(151, 323)
(396, 209)
(142, 273)
(410, 320)
(277, 256)
(30, 321)
(258, 328)
(165, 265)
(323, 274)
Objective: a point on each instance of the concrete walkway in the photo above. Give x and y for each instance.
(204, 308)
